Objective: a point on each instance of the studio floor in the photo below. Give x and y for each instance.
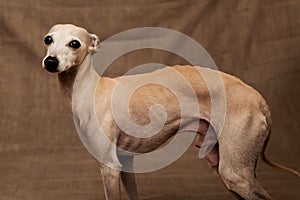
(68, 172)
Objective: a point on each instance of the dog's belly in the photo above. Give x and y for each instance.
(134, 144)
(143, 145)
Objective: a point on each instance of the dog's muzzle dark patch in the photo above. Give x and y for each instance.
(51, 64)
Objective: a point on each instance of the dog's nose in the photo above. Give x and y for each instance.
(51, 64)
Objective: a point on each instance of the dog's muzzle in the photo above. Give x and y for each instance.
(51, 64)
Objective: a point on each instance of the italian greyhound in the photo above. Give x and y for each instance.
(244, 136)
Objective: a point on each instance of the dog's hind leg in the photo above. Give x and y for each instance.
(242, 183)
(128, 178)
(239, 148)
(111, 182)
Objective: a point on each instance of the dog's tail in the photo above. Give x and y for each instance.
(271, 163)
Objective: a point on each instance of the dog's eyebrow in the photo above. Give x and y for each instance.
(49, 34)
(75, 38)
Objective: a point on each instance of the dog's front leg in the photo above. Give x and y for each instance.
(128, 179)
(111, 182)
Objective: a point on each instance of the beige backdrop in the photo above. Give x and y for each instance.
(41, 156)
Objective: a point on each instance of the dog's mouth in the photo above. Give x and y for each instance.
(51, 70)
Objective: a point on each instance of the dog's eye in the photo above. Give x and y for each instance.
(48, 40)
(74, 44)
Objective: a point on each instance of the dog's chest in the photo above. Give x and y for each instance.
(86, 122)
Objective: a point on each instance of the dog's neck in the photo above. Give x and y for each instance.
(82, 74)
(66, 80)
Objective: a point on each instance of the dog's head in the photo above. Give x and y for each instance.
(67, 46)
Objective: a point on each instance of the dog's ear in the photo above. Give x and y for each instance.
(94, 45)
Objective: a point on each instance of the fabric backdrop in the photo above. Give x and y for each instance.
(41, 156)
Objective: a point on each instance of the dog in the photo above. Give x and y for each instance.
(244, 135)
